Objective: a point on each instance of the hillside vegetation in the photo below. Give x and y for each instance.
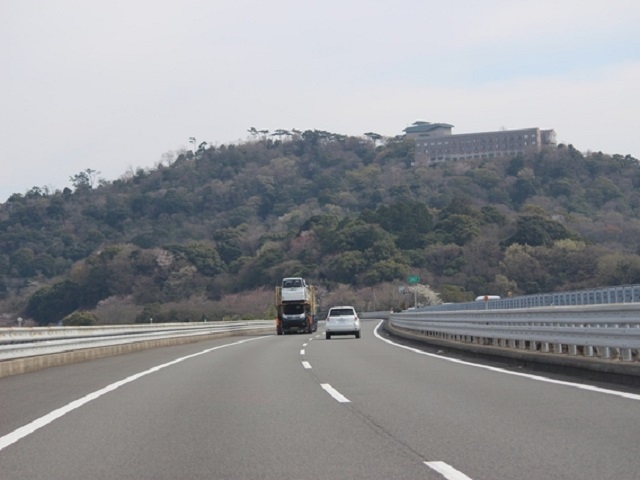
(209, 233)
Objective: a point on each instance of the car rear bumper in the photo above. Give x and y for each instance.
(342, 329)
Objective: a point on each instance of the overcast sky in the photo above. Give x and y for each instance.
(115, 85)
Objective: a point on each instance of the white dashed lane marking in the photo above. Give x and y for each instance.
(334, 393)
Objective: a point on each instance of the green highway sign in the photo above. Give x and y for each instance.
(413, 279)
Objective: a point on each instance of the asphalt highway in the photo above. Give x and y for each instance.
(302, 407)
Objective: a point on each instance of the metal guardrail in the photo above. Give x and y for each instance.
(26, 342)
(598, 296)
(599, 322)
(606, 331)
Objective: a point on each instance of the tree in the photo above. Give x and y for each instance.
(520, 266)
(409, 221)
(228, 245)
(44, 264)
(36, 192)
(490, 214)
(149, 312)
(50, 304)
(383, 249)
(355, 235)
(458, 229)
(281, 133)
(534, 230)
(444, 260)
(458, 206)
(603, 190)
(22, 262)
(77, 319)
(455, 294)
(486, 178)
(619, 269)
(408, 217)
(522, 189)
(84, 180)
(345, 266)
(374, 137)
(386, 270)
(425, 295)
(202, 256)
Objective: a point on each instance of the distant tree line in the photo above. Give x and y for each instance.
(229, 220)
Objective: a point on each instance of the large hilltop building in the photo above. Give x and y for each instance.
(435, 142)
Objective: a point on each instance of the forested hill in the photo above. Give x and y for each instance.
(211, 232)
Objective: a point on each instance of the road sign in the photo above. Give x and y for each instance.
(413, 279)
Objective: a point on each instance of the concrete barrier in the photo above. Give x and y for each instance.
(31, 364)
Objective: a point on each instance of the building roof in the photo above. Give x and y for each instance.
(425, 127)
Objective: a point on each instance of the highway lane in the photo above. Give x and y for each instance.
(248, 410)
(488, 424)
(262, 407)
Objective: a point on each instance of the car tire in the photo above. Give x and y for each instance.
(327, 336)
(357, 334)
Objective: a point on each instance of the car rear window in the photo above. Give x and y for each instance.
(292, 309)
(337, 312)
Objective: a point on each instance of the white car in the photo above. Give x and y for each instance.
(342, 321)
